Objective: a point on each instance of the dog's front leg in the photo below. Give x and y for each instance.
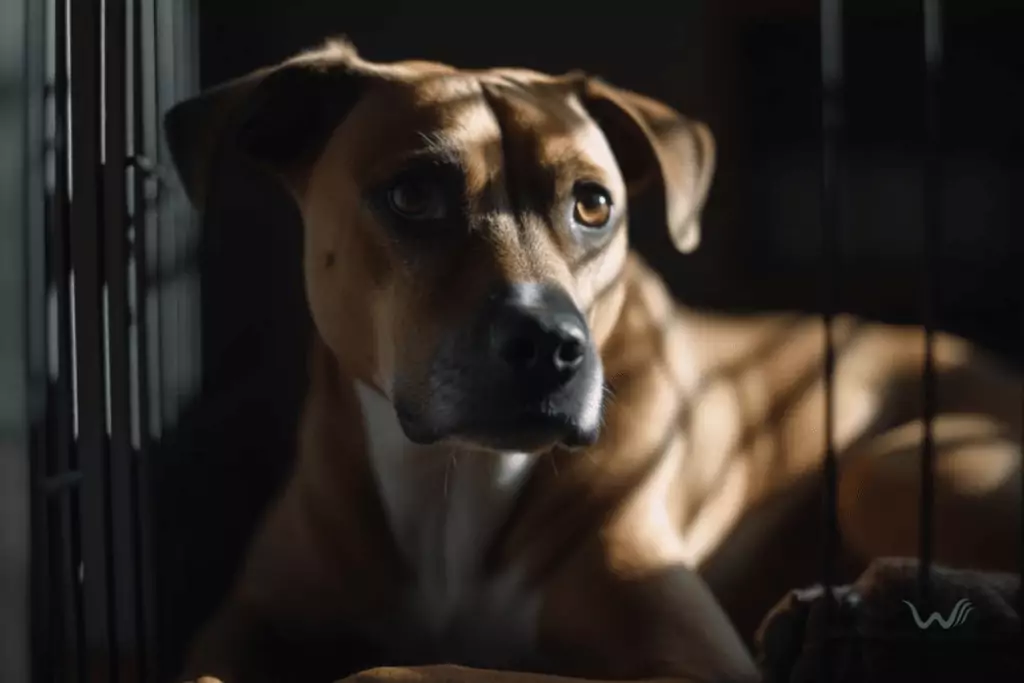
(624, 609)
(446, 673)
(242, 644)
(605, 620)
(234, 647)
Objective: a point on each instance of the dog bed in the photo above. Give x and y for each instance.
(881, 628)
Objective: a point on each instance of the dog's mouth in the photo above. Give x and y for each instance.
(501, 421)
(531, 431)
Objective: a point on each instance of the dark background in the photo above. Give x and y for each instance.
(751, 70)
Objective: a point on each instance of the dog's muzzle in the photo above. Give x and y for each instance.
(523, 376)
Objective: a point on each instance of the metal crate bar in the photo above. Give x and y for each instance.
(61, 656)
(932, 211)
(137, 124)
(115, 239)
(88, 334)
(831, 40)
(831, 124)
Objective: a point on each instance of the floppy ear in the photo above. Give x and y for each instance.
(279, 116)
(654, 144)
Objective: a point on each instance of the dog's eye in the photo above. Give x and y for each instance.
(417, 200)
(593, 207)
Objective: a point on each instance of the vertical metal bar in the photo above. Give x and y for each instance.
(189, 59)
(45, 593)
(137, 125)
(168, 230)
(831, 129)
(932, 211)
(86, 260)
(43, 582)
(149, 221)
(115, 240)
(69, 660)
(36, 155)
(831, 115)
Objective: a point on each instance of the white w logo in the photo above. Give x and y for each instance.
(957, 617)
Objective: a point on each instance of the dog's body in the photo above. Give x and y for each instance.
(424, 525)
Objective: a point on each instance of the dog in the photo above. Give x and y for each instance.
(518, 453)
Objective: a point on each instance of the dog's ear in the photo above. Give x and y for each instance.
(656, 145)
(279, 116)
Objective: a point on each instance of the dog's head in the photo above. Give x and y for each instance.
(465, 230)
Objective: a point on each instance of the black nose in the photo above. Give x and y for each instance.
(539, 332)
(531, 342)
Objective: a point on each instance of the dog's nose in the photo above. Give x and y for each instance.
(526, 342)
(538, 331)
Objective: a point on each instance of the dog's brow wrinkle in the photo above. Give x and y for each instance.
(438, 144)
(439, 152)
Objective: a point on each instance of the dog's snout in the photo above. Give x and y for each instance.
(538, 333)
(522, 375)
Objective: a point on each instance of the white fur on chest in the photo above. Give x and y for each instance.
(444, 506)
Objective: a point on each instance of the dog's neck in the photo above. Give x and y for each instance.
(444, 503)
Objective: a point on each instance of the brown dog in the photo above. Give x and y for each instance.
(517, 451)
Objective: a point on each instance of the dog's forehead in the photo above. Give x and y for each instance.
(474, 116)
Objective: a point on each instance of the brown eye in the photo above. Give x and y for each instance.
(593, 207)
(417, 200)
